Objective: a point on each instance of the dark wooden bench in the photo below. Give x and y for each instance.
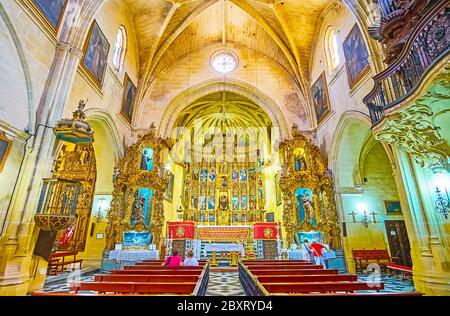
(199, 268)
(135, 287)
(321, 287)
(351, 294)
(364, 257)
(291, 267)
(59, 260)
(404, 271)
(146, 278)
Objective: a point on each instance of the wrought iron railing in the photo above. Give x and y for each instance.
(427, 45)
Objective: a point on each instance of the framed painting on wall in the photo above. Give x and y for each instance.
(392, 207)
(169, 192)
(129, 94)
(356, 56)
(5, 145)
(321, 99)
(96, 54)
(52, 10)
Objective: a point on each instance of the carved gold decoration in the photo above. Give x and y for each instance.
(314, 177)
(128, 178)
(75, 130)
(77, 163)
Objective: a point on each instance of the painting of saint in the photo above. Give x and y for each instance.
(235, 201)
(305, 206)
(252, 174)
(96, 54)
(195, 173)
(194, 202)
(211, 202)
(51, 9)
(212, 218)
(320, 98)
(147, 159)
(203, 175)
(244, 202)
(129, 95)
(203, 203)
(299, 160)
(234, 175)
(243, 175)
(212, 175)
(356, 56)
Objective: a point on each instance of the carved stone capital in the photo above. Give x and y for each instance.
(412, 130)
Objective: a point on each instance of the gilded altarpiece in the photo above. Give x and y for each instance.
(307, 190)
(140, 182)
(77, 163)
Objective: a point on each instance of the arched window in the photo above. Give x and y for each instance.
(331, 49)
(120, 48)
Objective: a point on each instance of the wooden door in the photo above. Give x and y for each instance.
(399, 242)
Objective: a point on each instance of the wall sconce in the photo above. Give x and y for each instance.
(442, 198)
(365, 220)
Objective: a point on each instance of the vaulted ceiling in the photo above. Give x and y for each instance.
(284, 31)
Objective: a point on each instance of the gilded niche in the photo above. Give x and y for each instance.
(139, 185)
(307, 190)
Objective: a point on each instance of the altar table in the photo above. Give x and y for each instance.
(224, 248)
(122, 256)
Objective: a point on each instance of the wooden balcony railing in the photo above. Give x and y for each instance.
(427, 45)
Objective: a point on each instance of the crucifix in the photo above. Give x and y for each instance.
(373, 215)
(353, 214)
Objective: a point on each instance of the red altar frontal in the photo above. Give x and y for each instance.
(260, 240)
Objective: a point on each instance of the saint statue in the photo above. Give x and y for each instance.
(308, 206)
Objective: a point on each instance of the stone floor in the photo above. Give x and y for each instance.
(222, 283)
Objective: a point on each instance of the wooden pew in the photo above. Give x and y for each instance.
(351, 294)
(158, 264)
(321, 287)
(275, 262)
(135, 287)
(306, 278)
(292, 267)
(296, 272)
(199, 268)
(145, 278)
(58, 259)
(158, 271)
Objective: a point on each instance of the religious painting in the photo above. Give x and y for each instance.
(141, 210)
(169, 192)
(321, 100)
(243, 175)
(392, 207)
(136, 239)
(277, 189)
(195, 173)
(252, 174)
(252, 202)
(96, 54)
(194, 202)
(52, 10)
(212, 175)
(129, 94)
(235, 175)
(299, 160)
(270, 217)
(305, 205)
(203, 175)
(235, 201)
(147, 159)
(310, 236)
(5, 145)
(244, 202)
(211, 218)
(356, 56)
(202, 202)
(211, 202)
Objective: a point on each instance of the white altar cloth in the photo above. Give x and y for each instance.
(295, 255)
(224, 248)
(134, 255)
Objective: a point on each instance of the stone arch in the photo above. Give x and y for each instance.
(24, 68)
(176, 105)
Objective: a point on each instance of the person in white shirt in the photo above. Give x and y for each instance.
(190, 261)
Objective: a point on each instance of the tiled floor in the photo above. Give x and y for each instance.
(224, 284)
